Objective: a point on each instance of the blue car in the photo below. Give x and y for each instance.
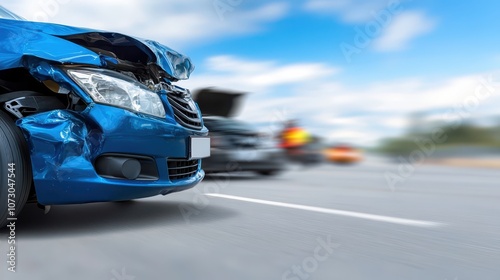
(92, 116)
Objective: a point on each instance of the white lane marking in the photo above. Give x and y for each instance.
(387, 219)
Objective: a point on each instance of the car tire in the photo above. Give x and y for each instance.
(14, 159)
(268, 172)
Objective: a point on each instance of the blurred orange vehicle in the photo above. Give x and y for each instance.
(343, 154)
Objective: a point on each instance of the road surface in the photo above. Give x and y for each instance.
(374, 220)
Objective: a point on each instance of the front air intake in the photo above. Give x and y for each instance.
(182, 169)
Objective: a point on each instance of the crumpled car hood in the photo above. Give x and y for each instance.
(19, 39)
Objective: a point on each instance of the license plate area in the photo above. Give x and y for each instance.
(199, 147)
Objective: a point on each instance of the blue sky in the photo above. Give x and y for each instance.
(420, 56)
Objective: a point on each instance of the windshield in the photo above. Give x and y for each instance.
(6, 14)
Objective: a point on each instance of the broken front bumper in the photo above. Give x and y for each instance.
(66, 148)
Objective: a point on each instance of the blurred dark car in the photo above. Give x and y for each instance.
(237, 146)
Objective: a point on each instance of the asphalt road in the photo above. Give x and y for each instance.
(326, 222)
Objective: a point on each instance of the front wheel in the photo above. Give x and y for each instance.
(15, 170)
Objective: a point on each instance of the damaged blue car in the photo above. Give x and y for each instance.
(92, 116)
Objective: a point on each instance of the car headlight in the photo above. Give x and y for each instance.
(114, 89)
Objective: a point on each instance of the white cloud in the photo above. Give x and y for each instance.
(402, 30)
(310, 91)
(360, 114)
(399, 26)
(257, 76)
(398, 123)
(352, 11)
(173, 22)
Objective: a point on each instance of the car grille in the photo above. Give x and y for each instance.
(185, 111)
(182, 169)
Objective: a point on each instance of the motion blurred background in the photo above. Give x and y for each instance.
(380, 75)
(385, 84)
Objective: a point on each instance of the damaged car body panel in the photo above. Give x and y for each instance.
(101, 117)
(71, 45)
(66, 147)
